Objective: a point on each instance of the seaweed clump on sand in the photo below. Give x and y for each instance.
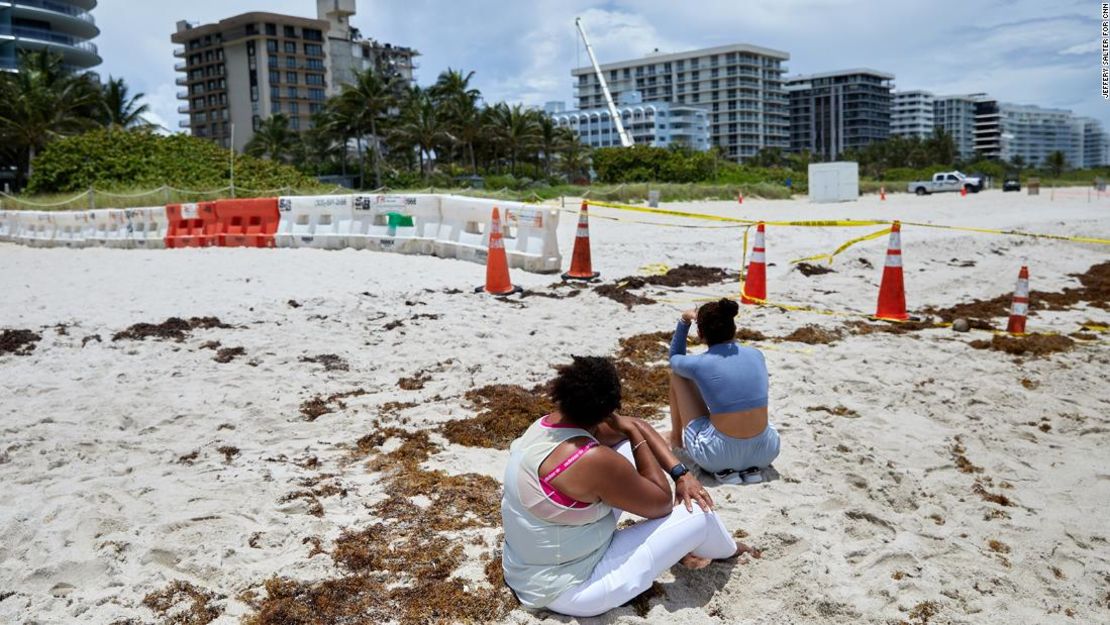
(621, 293)
(18, 342)
(899, 327)
(318, 406)
(1033, 344)
(813, 335)
(167, 604)
(505, 411)
(644, 389)
(330, 362)
(809, 269)
(174, 328)
(227, 354)
(399, 568)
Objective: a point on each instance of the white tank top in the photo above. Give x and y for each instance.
(548, 547)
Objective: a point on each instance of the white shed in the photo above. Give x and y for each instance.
(834, 182)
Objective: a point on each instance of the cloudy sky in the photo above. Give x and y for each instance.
(1025, 51)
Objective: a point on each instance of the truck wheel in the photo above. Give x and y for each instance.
(921, 191)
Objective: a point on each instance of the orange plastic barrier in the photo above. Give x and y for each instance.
(191, 225)
(248, 222)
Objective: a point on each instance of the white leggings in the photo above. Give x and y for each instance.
(638, 554)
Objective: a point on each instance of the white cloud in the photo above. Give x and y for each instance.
(1024, 51)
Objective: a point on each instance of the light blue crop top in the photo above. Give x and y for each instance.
(729, 376)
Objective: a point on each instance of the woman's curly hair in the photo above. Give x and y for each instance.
(717, 321)
(587, 391)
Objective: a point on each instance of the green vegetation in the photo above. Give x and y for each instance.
(110, 160)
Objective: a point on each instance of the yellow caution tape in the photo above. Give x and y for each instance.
(1013, 233)
(846, 223)
(1094, 327)
(829, 257)
(654, 269)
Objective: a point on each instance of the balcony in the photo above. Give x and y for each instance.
(179, 52)
(182, 95)
(57, 7)
(180, 67)
(48, 36)
(184, 108)
(181, 81)
(184, 124)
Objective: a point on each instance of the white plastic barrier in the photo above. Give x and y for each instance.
(107, 228)
(37, 229)
(313, 221)
(530, 232)
(7, 221)
(70, 228)
(370, 225)
(148, 226)
(532, 239)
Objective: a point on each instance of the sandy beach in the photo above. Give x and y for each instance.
(922, 479)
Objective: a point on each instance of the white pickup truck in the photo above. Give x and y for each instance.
(946, 181)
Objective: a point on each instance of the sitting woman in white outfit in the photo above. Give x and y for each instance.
(565, 488)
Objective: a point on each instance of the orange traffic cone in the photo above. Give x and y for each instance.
(892, 292)
(882, 194)
(963, 191)
(580, 265)
(754, 290)
(739, 197)
(497, 264)
(1020, 306)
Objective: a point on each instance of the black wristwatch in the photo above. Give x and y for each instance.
(677, 471)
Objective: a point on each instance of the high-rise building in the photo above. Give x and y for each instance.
(956, 116)
(350, 53)
(64, 27)
(832, 112)
(739, 86)
(1033, 133)
(1095, 142)
(658, 124)
(911, 114)
(246, 68)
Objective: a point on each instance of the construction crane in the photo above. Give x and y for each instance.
(626, 139)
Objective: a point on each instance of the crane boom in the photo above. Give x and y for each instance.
(626, 139)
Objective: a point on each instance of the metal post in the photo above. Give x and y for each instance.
(231, 159)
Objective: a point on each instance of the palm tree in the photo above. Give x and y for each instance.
(273, 139)
(421, 127)
(42, 102)
(551, 139)
(120, 111)
(1056, 162)
(365, 103)
(458, 103)
(574, 158)
(517, 130)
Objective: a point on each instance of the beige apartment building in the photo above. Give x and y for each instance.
(243, 69)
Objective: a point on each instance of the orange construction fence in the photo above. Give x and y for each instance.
(247, 223)
(191, 225)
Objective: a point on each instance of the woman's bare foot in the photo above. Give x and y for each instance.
(693, 562)
(741, 549)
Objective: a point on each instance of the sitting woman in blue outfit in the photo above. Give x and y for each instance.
(719, 398)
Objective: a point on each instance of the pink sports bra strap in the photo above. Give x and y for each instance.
(564, 465)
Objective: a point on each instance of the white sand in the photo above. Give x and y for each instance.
(95, 512)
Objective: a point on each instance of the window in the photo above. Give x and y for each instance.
(311, 34)
(291, 77)
(291, 92)
(275, 107)
(272, 61)
(275, 93)
(290, 32)
(295, 122)
(271, 45)
(254, 93)
(290, 47)
(271, 30)
(291, 62)
(314, 64)
(275, 77)
(314, 79)
(315, 108)
(316, 94)
(313, 49)
(256, 121)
